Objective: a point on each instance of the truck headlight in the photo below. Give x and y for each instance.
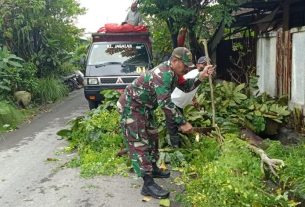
(92, 81)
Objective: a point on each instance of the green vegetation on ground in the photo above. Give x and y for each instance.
(50, 90)
(97, 139)
(213, 175)
(232, 176)
(10, 117)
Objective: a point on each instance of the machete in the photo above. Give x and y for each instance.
(203, 130)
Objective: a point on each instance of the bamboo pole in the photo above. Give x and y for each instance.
(219, 137)
(205, 43)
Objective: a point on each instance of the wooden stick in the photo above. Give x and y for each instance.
(205, 43)
(219, 137)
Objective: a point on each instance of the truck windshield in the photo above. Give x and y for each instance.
(124, 53)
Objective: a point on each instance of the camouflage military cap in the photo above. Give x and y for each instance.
(183, 54)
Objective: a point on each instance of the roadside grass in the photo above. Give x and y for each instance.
(231, 175)
(50, 90)
(10, 116)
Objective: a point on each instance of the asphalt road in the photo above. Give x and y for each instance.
(32, 171)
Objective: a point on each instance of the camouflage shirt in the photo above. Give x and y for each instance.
(154, 88)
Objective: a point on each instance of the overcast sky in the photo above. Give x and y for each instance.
(100, 12)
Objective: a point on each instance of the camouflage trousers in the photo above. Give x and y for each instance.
(173, 131)
(140, 135)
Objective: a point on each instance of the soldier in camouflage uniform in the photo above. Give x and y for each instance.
(172, 128)
(137, 105)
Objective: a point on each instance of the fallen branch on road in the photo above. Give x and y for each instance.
(253, 144)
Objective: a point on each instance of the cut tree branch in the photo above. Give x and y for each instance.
(253, 141)
(272, 164)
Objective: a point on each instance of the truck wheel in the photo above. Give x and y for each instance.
(92, 104)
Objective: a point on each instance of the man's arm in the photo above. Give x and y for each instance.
(189, 84)
(162, 84)
(192, 83)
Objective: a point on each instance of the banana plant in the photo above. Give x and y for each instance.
(8, 60)
(9, 66)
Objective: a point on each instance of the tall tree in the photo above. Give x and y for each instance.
(200, 17)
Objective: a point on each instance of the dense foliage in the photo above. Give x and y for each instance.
(42, 32)
(97, 139)
(10, 70)
(213, 174)
(10, 117)
(231, 175)
(201, 18)
(37, 41)
(161, 46)
(237, 107)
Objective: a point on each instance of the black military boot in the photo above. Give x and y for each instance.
(150, 188)
(158, 173)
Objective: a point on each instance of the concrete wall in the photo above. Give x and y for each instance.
(265, 63)
(298, 67)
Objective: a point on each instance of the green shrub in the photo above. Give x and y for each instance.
(10, 68)
(10, 117)
(227, 176)
(28, 80)
(292, 175)
(67, 68)
(111, 98)
(235, 109)
(98, 139)
(50, 90)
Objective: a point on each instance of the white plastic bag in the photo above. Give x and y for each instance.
(182, 99)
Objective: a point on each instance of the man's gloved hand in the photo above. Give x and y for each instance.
(186, 128)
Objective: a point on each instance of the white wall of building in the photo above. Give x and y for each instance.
(266, 63)
(298, 67)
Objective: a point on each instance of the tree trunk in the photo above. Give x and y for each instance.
(174, 34)
(195, 47)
